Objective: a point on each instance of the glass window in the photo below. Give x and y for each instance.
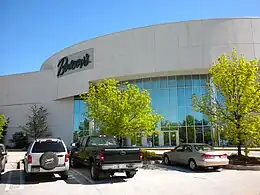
(147, 84)
(155, 82)
(163, 82)
(173, 97)
(189, 117)
(48, 146)
(188, 96)
(173, 138)
(166, 138)
(199, 134)
(207, 135)
(172, 82)
(164, 97)
(84, 142)
(173, 116)
(191, 134)
(196, 80)
(203, 80)
(131, 82)
(203, 147)
(180, 81)
(182, 134)
(188, 81)
(155, 140)
(181, 96)
(179, 148)
(181, 115)
(139, 83)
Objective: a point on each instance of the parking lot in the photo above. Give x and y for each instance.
(149, 180)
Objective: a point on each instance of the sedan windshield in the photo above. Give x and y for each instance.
(203, 147)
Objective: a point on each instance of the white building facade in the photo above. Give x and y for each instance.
(170, 60)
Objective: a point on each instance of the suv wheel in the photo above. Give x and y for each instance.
(64, 175)
(94, 172)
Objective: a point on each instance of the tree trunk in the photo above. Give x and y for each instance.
(239, 151)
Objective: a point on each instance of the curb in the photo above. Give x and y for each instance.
(243, 167)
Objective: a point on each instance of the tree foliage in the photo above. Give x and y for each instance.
(37, 125)
(20, 140)
(236, 108)
(2, 124)
(120, 111)
(4, 132)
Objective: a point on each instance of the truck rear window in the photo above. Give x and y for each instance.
(41, 147)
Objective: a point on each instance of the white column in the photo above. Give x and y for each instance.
(161, 139)
(144, 141)
(177, 138)
(128, 141)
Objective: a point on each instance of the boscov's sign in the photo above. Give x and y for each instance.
(76, 62)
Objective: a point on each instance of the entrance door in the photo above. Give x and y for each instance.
(170, 138)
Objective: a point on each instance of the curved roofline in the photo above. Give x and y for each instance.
(165, 23)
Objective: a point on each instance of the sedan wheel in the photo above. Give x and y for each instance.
(166, 160)
(192, 165)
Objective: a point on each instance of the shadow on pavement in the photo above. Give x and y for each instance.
(179, 168)
(16, 177)
(104, 178)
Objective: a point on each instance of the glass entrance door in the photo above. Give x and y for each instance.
(170, 138)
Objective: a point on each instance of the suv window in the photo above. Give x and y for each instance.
(48, 146)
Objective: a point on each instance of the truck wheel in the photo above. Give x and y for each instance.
(73, 163)
(130, 174)
(94, 172)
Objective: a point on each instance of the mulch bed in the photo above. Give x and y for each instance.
(243, 160)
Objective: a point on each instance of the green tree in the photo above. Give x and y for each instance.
(2, 124)
(37, 125)
(236, 80)
(20, 140)
(4, 132)
(122, 111)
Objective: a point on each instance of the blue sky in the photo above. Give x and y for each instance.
(33, 30)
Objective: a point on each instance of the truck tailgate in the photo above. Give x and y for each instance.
(122, 155)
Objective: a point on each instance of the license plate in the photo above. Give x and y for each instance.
(217, 157)
(35, 169)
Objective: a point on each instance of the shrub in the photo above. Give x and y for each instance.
(20, 140)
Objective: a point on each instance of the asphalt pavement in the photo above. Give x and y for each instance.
(152, 180)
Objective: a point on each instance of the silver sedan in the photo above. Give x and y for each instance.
(196, 155)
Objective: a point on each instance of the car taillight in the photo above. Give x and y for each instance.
(141, 155)
(102, 156)
(29, 159)
(224, 156)
(207, 156)
(67, 157)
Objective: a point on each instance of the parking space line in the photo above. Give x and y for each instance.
(7, 186)
(86, 178)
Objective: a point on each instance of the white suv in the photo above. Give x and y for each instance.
(46, 156)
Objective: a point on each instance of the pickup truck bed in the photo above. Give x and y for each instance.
(102, 157)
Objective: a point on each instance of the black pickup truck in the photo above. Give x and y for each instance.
(103, 154)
